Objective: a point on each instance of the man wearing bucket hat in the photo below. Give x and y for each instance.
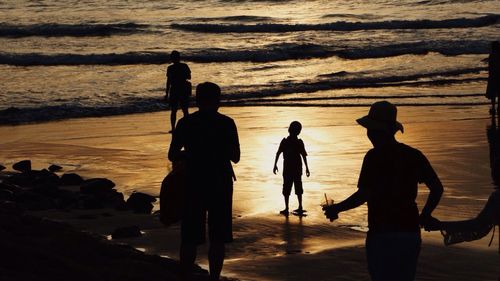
(388, 181)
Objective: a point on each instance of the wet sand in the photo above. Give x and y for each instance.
(131, 151)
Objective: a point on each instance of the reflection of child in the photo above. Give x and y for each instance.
(292, 149)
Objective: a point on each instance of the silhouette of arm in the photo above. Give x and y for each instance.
(436, 191)
(275, 169)
(174, 152)
(431, 180)
(235, 149)
(304, 156)
(188, 73)
(280, 149)
(167, 85)
(357, 199)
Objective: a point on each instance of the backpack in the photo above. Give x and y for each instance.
(171, 194)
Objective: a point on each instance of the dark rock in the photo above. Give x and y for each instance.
(89, 202)
(6, 195)
(46, 177)
(112, 198)
(33, 178)
(20, 179)
(140, 202)
(87, 217)
(10, 187)
(66, 199)
(47, 189)
(33, 201)
(97, 185)
(10, 208)
(54, 168)
(126, 232)
(71, 179)
(22, 166)
(2, 167)
(122, 207)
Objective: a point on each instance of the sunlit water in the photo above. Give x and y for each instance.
(61, 59)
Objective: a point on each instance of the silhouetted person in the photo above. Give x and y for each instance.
(293, 149)
(178, 88)
(210, 142)
(493, 88)
(388, 182)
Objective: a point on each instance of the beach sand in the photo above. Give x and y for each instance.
(131, 151)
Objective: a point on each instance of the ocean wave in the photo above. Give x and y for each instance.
(269, 53)
(340, 25)
(16, 116)
(305, 87)
(36, 59)
(76, 30)
(241, 18)
(356, 16)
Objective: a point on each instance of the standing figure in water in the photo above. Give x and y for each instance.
(178, 87)
(388, 182)
(493, 88)
(293, 149)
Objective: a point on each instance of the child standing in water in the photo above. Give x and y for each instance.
(292, 148)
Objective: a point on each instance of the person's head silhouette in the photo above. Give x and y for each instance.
(175, 56)
(495, 46)
(208, 96)
(381, 123)
(295, 128)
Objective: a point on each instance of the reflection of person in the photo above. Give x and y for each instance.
(493, 88)
(178, 88)
(210, 142)
(293, 149)
(388, 182)
(293, 236)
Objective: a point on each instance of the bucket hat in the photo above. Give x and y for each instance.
(382, 116)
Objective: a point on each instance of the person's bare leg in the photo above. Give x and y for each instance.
(216, 253)
(299, 197)
(285, 211)
(187, 257)
(173, 117)
(492, 110)
(185, 111)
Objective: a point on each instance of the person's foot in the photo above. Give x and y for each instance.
(284, 212)
(299, 211)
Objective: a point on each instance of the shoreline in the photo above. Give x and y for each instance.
(12, 112)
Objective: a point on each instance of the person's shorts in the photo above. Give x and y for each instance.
(294, 179)
(176, 100)
(392, 256)
(216, 208)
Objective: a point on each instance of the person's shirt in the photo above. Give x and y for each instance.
(389, 177)
(292, 149)
(178, 73)
(210, 141)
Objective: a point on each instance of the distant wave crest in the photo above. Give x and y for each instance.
(269, 53)
(340, 25)
(76, 30)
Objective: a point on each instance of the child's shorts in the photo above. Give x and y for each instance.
(295, 180)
